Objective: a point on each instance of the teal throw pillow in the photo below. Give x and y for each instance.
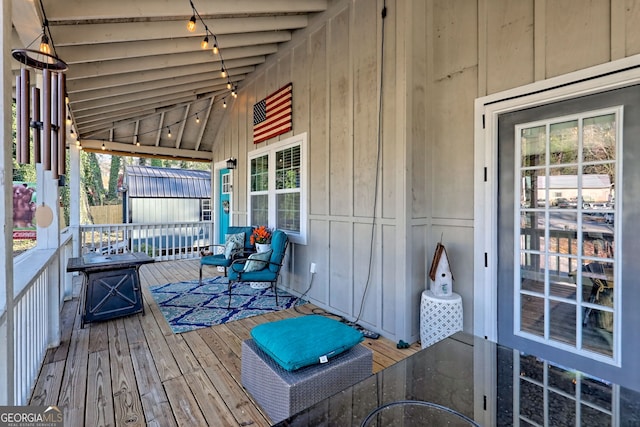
(252, 265)
(306, 340)
(233, 242)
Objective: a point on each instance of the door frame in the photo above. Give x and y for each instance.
(612, 75)
(215, 191)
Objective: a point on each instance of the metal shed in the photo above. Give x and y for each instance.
(167, 195)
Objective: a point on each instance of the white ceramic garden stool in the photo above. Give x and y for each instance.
(440, 317)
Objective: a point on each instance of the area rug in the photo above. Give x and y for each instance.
(188, 306)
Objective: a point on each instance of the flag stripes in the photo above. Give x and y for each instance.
(272, 115)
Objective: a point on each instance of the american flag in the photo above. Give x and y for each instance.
(272, 115)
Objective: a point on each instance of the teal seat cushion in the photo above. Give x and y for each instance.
(304, 341)
(217, 260)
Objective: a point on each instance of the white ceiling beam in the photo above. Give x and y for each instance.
(111, 51)
(100, 123)
(211, 78)
(236, 66)
(96, 144)
(94, 69)
(205, 121)
(186, 89)
(82, 34)
(76, 10)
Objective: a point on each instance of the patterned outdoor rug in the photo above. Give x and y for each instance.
(188, 306)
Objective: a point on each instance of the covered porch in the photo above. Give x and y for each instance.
(136, 371)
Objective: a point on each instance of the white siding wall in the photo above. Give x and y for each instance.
(439, 56)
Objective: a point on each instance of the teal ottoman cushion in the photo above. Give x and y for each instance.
(303, 341)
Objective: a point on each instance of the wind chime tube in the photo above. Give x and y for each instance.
(23, 122)
(18, 119)
(35, 116)
(62, 123)
(55, 172)
(46, 119)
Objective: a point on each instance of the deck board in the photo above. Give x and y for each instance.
(135, 371)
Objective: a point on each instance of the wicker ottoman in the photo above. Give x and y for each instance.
(282, 393)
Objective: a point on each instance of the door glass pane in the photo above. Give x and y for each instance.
(533, 146)
(532, 180)
(599, 134)
(563, 143)
(562, 322)
(532, 314)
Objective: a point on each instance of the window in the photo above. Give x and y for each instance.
(226, 183)
(277, 187)
(206, 209)
(565, 228)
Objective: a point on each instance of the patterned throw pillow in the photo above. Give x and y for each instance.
(256, 265)
(233, 242)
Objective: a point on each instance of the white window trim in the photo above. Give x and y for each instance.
(612, 75)
(270, 151)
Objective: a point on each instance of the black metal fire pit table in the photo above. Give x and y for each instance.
(111, 285)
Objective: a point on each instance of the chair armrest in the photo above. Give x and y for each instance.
(205, 252)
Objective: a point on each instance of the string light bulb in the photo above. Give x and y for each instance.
(191, 25)
(215, 49)
(224, 103)
(229, 85)
(69, 121)
(197, 119)
(168, 132)
(234, 93)
(44, 43)
(103, 147)
(205, 42)
(223, 73)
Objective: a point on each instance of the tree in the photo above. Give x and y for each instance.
(114, 174)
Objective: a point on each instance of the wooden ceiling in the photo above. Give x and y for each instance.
(136, 72)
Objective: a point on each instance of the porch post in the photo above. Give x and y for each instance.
(74, 195)
(6, 202)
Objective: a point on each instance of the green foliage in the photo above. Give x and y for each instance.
(114, 174)
(92, 179)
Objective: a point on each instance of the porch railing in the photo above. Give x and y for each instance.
(40, 286)
(166, 241)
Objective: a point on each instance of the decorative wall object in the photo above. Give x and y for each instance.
(272, 115)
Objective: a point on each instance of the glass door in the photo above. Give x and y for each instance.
(568, 235)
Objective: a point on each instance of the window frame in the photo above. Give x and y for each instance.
(272, 193)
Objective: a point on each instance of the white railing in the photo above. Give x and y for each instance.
(39, 291)
(167, 241)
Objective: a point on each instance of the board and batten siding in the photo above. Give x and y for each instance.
(439, 56)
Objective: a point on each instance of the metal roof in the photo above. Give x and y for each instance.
(155, 182)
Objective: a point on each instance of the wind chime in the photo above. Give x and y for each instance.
(49, 122)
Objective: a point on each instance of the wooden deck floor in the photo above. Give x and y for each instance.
(135, 371)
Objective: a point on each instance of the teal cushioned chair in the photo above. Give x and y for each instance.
(218, 260)
(269, 272)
